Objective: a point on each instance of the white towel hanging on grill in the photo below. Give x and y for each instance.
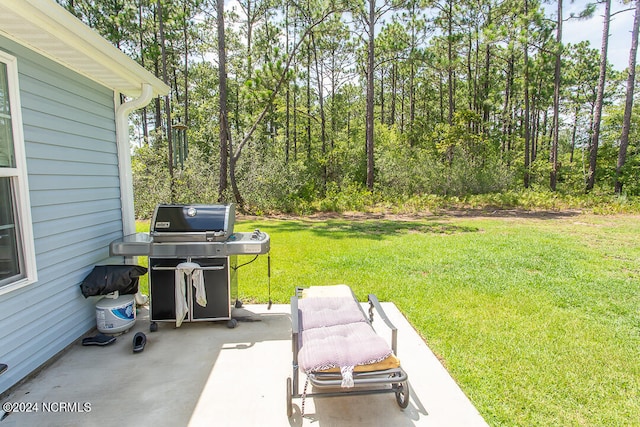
(181, 296)
(188, 274)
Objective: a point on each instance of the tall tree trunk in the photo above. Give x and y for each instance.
(412, 95)
(174, 71)
(333, 122)
(236, 108)
(476, 73)
(450, 62)
(470, 76)
(402, 102)
(506, 111)
(412, 74)
(145, 128)
(370, 98)
(593, 154)
(157, 103)
(223, 122)
(534, 139)
(270, 125)
(288, 91)
(381, 94)
(295, 96)
(394, 78)
(556, 102)
(295, 119)
(441, 95)
(185, 35)
(249, 40)
(628, 105)
(308, 101)
(574, 130)
(527, 107)
(167, 100)
(485, 85)
(323, 126)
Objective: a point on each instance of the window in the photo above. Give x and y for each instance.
(17, 258)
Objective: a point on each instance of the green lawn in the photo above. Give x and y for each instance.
(537, 318)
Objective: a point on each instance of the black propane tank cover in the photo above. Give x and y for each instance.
(105, 279)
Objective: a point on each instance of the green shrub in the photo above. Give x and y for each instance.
(351, 197)
(195, 182)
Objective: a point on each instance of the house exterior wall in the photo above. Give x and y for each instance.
(72, 164)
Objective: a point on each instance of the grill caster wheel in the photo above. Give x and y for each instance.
(238, 304)
(153, 327)
(289, 397)
(402, 394)
(232, 323)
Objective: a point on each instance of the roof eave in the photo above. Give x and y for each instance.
(78, 46)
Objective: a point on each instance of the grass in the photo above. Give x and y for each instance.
(143, 284)
(536, 317)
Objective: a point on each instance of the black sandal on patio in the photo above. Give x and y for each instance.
(100, 339)
(139, 341)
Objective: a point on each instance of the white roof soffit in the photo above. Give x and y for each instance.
(52, 31)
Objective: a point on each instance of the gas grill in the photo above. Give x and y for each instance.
(203, 236)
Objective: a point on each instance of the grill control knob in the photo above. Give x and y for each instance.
(192, 212)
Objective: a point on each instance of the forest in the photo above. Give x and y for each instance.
(290, 106)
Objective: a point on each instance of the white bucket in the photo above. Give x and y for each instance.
(116, 315)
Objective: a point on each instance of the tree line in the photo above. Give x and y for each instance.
(275, 103)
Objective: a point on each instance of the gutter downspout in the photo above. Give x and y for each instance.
(124, 155)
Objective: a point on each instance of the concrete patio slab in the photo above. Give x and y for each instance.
(204, 374)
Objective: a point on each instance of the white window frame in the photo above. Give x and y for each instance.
(19, 180)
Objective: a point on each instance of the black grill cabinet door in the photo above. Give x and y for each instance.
(216, 284)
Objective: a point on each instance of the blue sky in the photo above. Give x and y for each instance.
(591, 29)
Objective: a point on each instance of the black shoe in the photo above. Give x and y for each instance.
(139, 341)
(100, 339)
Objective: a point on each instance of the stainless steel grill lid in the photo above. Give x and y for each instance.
(192, 231)
(192, 223)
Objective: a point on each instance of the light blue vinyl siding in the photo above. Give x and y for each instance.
(72, 164)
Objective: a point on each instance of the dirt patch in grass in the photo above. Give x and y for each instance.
(514, 213)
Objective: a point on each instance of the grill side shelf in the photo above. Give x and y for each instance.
(131, 245)
(142, 244)
(248, 244)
